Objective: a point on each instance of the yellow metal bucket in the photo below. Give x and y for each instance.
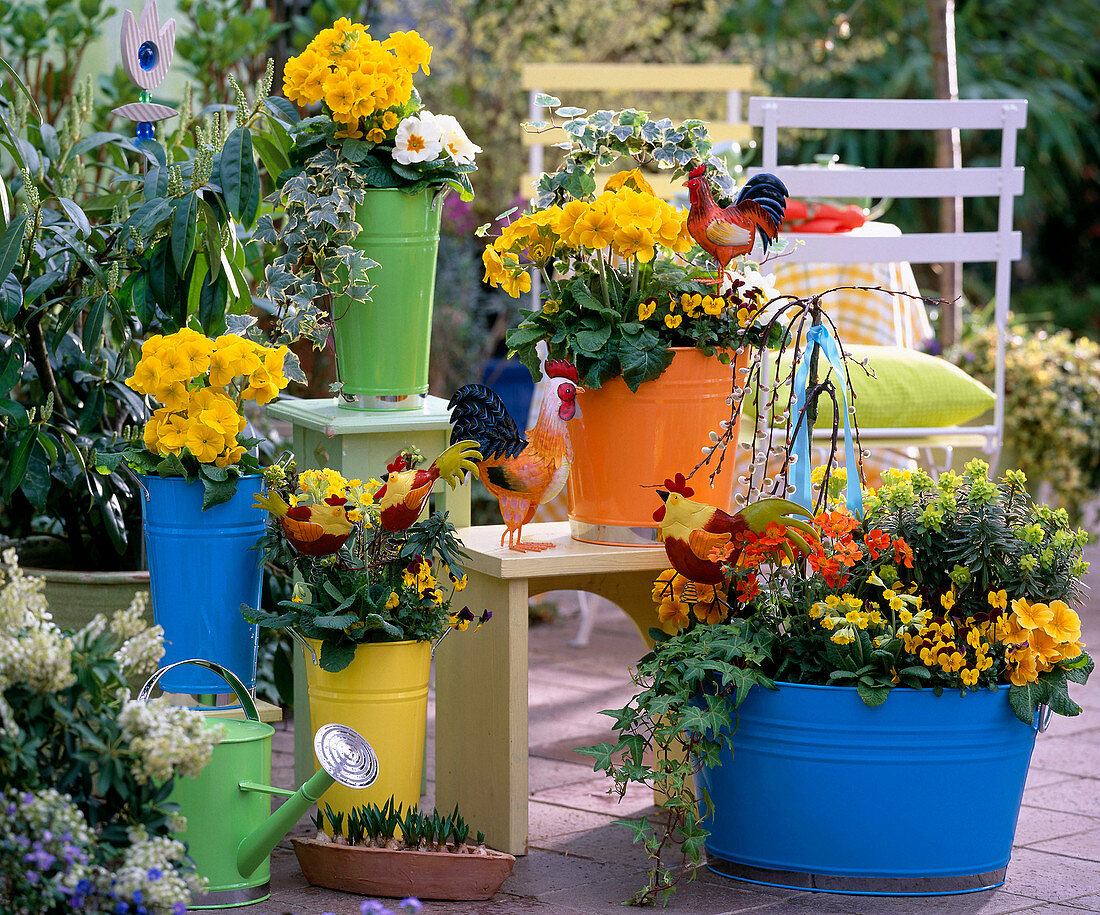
(383, 693)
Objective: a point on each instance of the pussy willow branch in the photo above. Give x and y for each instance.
(791, 313)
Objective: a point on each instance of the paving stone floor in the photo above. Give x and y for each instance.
(579, 862)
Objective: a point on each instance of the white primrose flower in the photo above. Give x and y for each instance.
(455, 140)
(419, 139)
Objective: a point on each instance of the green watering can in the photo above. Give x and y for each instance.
(231, 830)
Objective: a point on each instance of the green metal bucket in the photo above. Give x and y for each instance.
(382, 346)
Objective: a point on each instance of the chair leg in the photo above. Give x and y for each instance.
(588, 620)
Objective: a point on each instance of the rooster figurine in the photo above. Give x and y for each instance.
(523, 473)
(406, 490)
(313, 530)
(726, 233)
(691, 530)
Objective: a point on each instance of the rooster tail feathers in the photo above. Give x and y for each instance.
(271, 502)
(456, 461)
(478, 416)
(764, 198)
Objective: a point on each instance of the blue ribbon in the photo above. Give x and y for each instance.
(820, 336)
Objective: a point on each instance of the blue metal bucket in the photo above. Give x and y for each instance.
(918, 796)
(201, 569)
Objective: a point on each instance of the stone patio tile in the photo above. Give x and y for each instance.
(697, 898)
(1067, 754)
(1051, 877)
(1038, 777)
(1076, 795)
(592, 794)
(548, 820)
(1039, 825)
(543, 774)
(988, 902)
(541, 872)
(1084, 845)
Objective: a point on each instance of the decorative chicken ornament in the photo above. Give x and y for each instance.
(147, 49)
(313, 530)
(725, 233)
(690, 530)
(523, 473)
(406, 490)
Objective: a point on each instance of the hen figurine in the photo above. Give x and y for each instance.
(691, 530)
(523, 473)
(726, 233)
(406, 490)
(313, 530)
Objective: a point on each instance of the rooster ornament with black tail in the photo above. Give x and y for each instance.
(523, 473)
(725, 233)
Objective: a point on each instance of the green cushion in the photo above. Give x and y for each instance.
(911, 390)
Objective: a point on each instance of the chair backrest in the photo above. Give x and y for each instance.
(1004, 182)
(565, 78)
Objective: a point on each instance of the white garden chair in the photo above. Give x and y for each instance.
(1001, 247)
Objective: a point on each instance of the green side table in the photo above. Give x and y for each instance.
(359, 444)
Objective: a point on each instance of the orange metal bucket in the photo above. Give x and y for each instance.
(626, 444)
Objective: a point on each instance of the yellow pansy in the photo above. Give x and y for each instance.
(673, 321)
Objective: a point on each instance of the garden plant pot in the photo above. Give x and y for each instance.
(75, 596)
(401, 873)
(627, 444)
(382, 346)
(382, 694)
(202, 567)
(917, 796)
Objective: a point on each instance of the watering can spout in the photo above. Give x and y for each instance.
(345, 757)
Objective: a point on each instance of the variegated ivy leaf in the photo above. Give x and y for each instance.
(292, 368)
(546, 101)
(265, 231)
(575, 128)
(238, 324)
(622, 132)
(569, 112)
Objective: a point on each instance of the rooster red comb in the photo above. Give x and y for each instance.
(698, 172)
(398, 465)
(680, 485)
(559, 368)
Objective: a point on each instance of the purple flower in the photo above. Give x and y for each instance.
(371, 905)
(32, 877)
(179, 908)
(153, 874)
(411, 903)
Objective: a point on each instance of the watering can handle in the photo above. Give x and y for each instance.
(233, 681)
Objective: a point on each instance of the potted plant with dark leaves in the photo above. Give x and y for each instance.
(107, 240)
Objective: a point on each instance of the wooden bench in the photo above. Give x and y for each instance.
(571, 79)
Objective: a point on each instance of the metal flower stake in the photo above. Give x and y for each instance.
(147, 48)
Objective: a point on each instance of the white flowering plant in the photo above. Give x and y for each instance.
(67, 723)
(372, 112)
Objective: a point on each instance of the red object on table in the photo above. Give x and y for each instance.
(799, 216)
